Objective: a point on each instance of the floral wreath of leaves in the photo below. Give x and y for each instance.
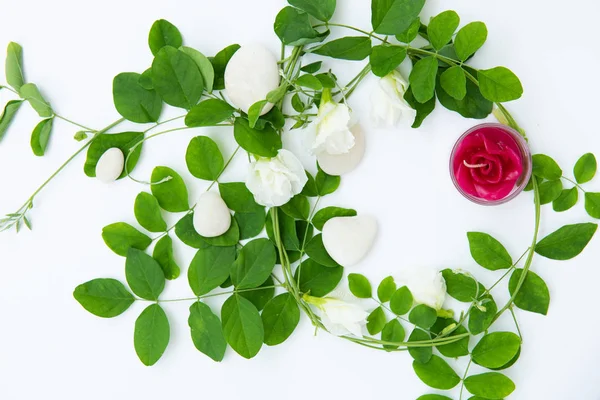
(253, 314)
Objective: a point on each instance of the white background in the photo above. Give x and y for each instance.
(51, 348)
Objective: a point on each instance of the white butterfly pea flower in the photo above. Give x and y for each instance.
(427, 286)
(274, 181)
(330, 131)
(387, 100)
(339, 317)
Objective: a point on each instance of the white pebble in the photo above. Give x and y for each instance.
(250, 74)
(340, 164)
(110, 165)
(211, 215)
(349, 239)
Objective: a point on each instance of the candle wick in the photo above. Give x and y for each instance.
(473, 165)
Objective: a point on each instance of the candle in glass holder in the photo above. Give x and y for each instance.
(490, 164)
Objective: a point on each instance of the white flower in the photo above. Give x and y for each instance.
(274, 181)
(387, 100)
(339, 317)
(330, 131)
(427, 286)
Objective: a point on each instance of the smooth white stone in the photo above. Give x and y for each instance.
(211, 215)
(349, 239)
(340, 164)
(110, 165)
(250, 74)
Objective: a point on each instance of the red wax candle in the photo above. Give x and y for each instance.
(490, 164)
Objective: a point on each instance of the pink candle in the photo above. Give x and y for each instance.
(490, 164)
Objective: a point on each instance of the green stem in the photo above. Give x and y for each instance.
(512, 312)
(462, 383)
(401, 317)
(217, 294)
(74, 123)
(370, 34)
(574, 183)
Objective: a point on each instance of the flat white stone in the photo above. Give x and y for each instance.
(250, 74)
(349, 239)
(340, 164)
(211, 215)
(110, 165)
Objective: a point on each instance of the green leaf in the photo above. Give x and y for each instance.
(145, 79)
(144, 275)
(550, 190)
(499, 84)
(260, 296)
(585, 168)
(545, 167)
(104, 298)
(207, 332)
(488, 252)
(297, 103)
(533, 296)
(229, 238)
(254, 264)
(309, 81)
(209, 268)
(354, 48)
(280, 317)
(119, 237)
(393, 331)
(481, 319)
(496, 349)
(8, 114)
(410, 33)
(184, 230)
(423, 110)
(287, 230)
(312, 67)
(401, 301)
(567, 242)
(31, 93)
(376, 321)
(360, 286)
(421, 355)
(436, 373)
(310, 189)
(456, 349)
(460, 286)
(169, 189)
(327, 79)
(423, 316)
(41, 136)
(325, 214)
(454, 82)
(325, 183)
(592, 204)
(392, 17)
(293, 28)
(422, 79)
(254, 112)
(384, 59)
(133, 101)
(147, 213)
(163, 33)
(316, 250)
(238, 198)
(219, 62)
(151, 335)
(204, 159)
(124, 141)
(176, 78)
(14, 66)
(298, 207)
(441, 28)
(251, 224)
(386, 289)
(567, 199)
(320, 9)
(316, 279)
(263, 143)
(469, 39)
(490, 385)
(204, 65)
(242, 326)
(473, 105)
(209, 113)
(163, 254)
